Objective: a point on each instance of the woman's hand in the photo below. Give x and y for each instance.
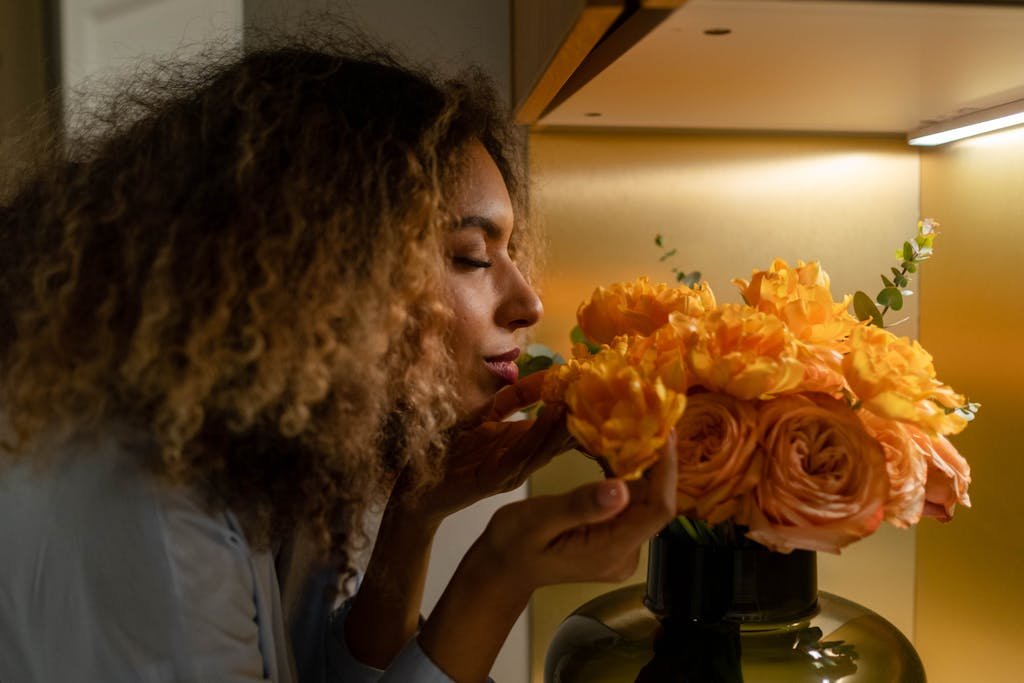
(592, 533)
(488, 459)
(492, 457)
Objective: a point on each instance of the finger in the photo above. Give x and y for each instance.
(516, 396)
(548, 437)
(550, 516)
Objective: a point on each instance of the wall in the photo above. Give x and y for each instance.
(445, 34)
(969, 592)
(729, 203)
(23, 66)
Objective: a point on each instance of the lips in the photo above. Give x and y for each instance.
(504, 366)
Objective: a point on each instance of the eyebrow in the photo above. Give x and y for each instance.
(489, 227)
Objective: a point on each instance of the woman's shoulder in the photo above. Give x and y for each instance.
(95, 543)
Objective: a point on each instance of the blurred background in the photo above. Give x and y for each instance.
(740, 131)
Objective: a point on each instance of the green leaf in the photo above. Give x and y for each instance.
(680, 276)
(539, 350)
(657, 240)
(896, 273)
(668, 254)
(890, 297)
(911, 268)
(902, 281)
(576, 336)
(534, 364)
(887, 282)
(908, 251)
(865, 309)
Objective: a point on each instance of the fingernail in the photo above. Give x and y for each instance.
(609, 493)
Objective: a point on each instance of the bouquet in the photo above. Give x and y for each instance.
(798, 425)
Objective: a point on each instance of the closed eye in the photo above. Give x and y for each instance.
(468, 262)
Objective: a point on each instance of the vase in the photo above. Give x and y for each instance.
(726, 615)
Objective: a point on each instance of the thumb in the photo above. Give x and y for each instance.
(588, 504)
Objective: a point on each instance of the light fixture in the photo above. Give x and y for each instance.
(974, 123)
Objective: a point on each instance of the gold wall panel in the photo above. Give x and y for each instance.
(970, 599)
(729, 204)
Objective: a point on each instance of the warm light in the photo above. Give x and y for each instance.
(975, 123)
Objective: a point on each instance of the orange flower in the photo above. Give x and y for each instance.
(894, 377)
(906, 466)
(638, 307)
(744, 353)
(824, 482)
(949, 475)
(618, 412)
(802, 298)
(662, 354)
(717, 457)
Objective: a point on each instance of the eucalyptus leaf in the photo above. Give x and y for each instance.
(534, 364)
(908, 251)
(911, 268)
(890, 297)
(576, 336)
(865, 309)
(657, 240)
(668, 254)
(887, 282)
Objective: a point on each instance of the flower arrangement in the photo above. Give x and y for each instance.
(798, 425)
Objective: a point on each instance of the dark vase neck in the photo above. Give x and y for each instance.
(690, 583)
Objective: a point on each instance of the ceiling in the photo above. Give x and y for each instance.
(808, 65)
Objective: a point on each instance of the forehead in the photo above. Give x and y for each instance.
(481, 190)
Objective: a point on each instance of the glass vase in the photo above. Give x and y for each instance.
(726, 615)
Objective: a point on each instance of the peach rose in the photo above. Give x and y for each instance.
(802, 298)
(948, 477)
(718, 462)
(618, 412)
(894, 377)
(824, 482)
(744, 353)
(638, 307)
(906, 466)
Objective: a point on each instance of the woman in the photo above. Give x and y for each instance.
(249, 305)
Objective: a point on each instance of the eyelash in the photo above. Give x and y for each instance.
(471, 262)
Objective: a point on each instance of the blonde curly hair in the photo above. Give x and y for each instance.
(245, 259)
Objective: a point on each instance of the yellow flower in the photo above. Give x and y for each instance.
(802, 298)
(619, 412)
(662, 354)
(744, 353)
(638, 307)
(894, 378)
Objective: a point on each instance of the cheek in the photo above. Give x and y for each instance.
(472, 316)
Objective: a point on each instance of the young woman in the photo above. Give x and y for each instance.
(243, 307)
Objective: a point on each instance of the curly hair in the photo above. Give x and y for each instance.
(244, 258)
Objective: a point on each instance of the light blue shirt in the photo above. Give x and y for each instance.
(109, 575)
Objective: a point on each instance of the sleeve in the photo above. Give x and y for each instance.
(410, 666)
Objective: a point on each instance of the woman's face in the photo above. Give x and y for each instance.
(489, 296)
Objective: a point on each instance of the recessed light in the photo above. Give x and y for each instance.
(717, 31)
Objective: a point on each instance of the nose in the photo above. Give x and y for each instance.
(520, 306)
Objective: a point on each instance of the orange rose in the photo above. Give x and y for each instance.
(894, 377)
(744, 353)
(662, 354)
(638, 307)
(824, 482)
(618, 412)
(717, 458)
(948, 477)
(906, 466)
(802, 298)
